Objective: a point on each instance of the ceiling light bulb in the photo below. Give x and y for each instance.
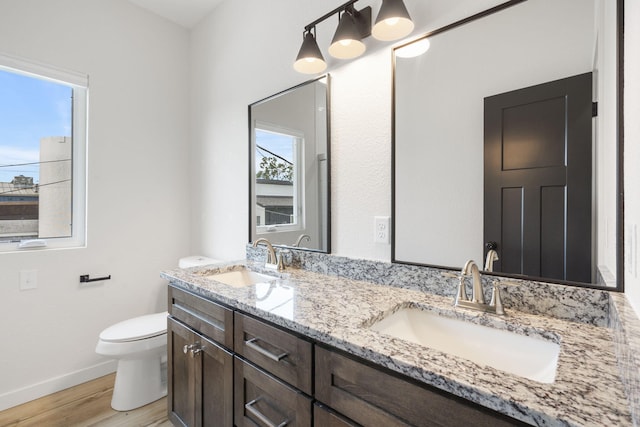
(393, 21)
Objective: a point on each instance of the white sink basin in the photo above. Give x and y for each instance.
(241, 278)
(525, 356)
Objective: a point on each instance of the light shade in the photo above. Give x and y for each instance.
(346, 43)
(393, 21)
(310, 59)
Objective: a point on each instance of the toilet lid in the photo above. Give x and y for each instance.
(137, 328)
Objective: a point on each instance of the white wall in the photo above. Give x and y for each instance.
(238, 58)
(632, 151)
(137, 183)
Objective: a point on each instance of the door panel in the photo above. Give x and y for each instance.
(538, 179)
(181, 375)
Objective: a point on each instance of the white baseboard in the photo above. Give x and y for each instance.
(52, 385)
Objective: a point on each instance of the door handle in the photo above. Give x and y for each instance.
(275, 357)
(259, 415)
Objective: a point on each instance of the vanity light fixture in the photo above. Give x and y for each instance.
(393, 22)
(354, 25)
(310, 59)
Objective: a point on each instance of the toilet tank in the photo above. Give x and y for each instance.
(196, 261)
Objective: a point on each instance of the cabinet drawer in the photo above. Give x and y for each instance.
(372, 397)
(210, 319)
(263, 400)
(325, 417)
(279, 352)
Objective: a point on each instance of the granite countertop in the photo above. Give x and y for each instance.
(337, 311)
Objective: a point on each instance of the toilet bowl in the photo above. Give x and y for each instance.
(140, 345)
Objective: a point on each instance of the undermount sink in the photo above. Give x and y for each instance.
(528, 357)
(240, 278)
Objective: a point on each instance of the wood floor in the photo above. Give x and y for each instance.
(85, 405)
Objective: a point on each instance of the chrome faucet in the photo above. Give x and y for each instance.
(477, 301)
(272, 261)
(300, 238)
(477, 295)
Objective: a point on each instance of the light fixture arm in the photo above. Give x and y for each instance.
(330, 14)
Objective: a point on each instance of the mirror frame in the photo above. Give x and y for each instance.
(619, 155)
(326, 76)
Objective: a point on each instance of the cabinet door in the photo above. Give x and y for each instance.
(200, 379)
(181, 375)
(373, 397)
(263, 400)
(216, 385)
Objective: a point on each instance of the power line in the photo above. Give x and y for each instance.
(35, 163)
(273, 154)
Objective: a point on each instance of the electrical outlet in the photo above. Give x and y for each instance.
(381, 229)
(28, 279)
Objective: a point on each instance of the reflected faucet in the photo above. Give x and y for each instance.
(272, 261)
(492, 256)
(300, 238)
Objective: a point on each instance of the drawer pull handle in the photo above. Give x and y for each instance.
(275, 357)
(259, 415)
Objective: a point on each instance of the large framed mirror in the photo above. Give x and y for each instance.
(289, 164)
(507, 142)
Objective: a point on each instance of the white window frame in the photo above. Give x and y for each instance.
(79, 83)
(298, 178)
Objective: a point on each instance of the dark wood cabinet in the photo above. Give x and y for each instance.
(199, 368)
(373, 397)
(263, 400)
(200, 379)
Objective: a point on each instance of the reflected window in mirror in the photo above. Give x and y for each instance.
(289, 167)
(278, 179)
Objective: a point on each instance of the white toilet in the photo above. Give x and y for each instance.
(140, 345)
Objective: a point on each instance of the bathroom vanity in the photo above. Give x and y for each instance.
(304, 350)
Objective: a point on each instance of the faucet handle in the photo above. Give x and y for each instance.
(496, 299)
(280, 262)
(450, 274)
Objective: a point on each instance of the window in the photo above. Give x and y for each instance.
(43, 113)
(278, 178)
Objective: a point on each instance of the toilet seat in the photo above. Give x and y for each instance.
(139, 328)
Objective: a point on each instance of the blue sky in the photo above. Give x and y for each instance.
(277, 143)
(30, 109)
